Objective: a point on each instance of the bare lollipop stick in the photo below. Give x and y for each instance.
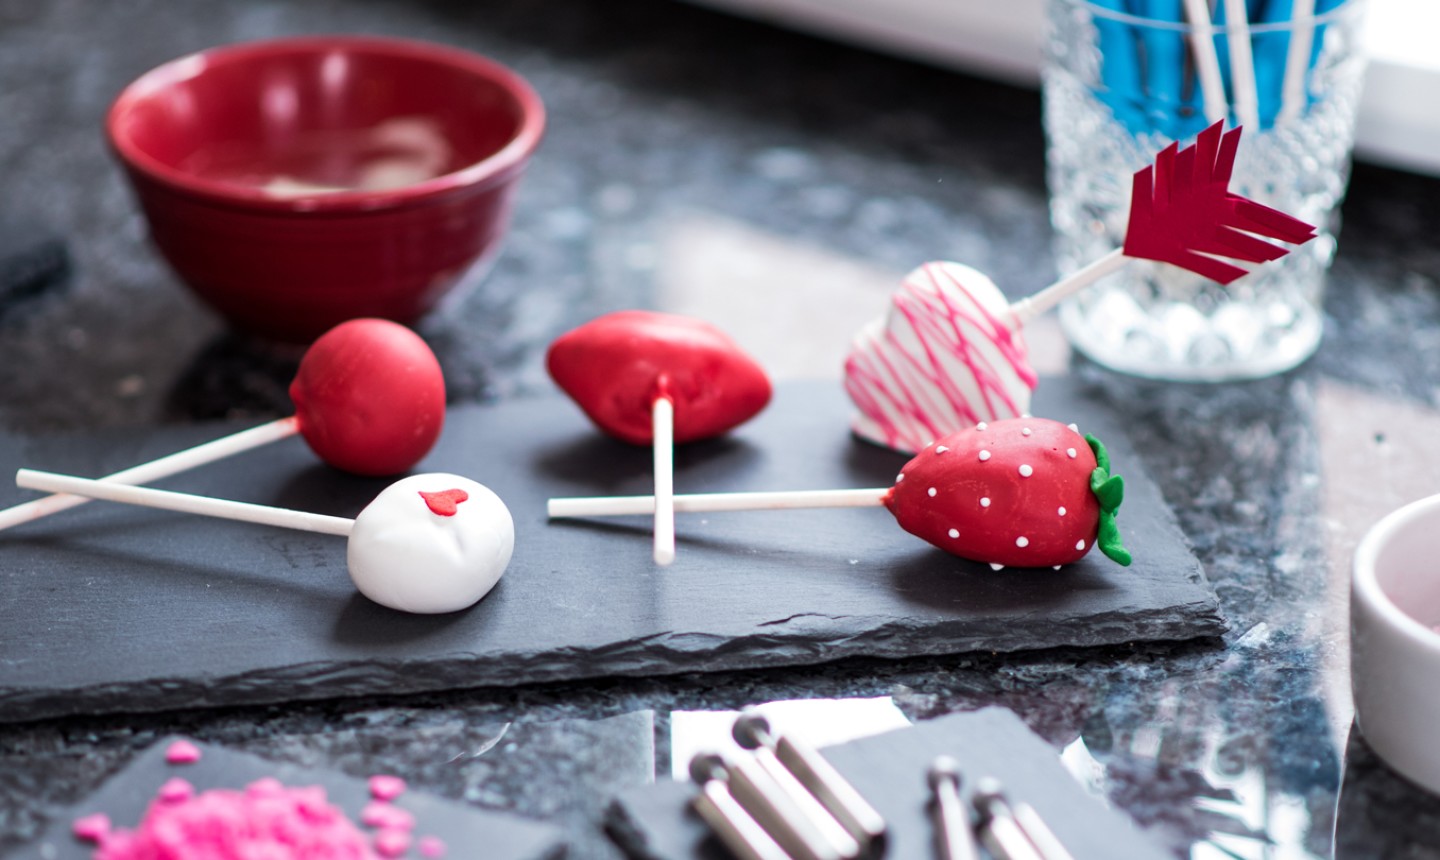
(157, 469)
(621, 506)
(663, 418)
(429, 543)
(207, 506)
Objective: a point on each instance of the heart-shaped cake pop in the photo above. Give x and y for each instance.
(944, 358)
(616, 365)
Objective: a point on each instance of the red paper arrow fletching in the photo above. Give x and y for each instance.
(1182, 213)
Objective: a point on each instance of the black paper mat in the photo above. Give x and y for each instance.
(889, 770)
(111, 608)
(125, 796)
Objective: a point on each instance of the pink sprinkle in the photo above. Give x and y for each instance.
(384, 787)
(182, 752)
(265, 820)
(432, 847)
(92, 828)
(381, 814)
(392, 843)
(176, 789)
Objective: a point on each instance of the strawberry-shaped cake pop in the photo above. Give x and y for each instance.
(617, 365)
(1022, 492)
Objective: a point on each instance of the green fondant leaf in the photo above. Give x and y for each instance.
(1109, 540)
(1102, 457)
(1109, 491)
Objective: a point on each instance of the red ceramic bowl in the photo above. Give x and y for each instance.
(298, 183)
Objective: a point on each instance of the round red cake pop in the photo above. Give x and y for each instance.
(615, 367)
(370, 397)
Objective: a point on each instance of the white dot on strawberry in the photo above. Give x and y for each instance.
(1062, 510)
(984, 455)
(954, 533)
(931, 491)
(1022, 541)
(1070, 452)
(984, 501)
(1073, 427)
(1080, 544)
(1026, 470)
(941, 449)
(1024, 431)
(982, 426)
(900, 477)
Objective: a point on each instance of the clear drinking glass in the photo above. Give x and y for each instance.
(1118, 88)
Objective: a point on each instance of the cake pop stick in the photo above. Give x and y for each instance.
(428, 543)
(658, 379)
(1026, 492)
(369, 398)
(950, 353)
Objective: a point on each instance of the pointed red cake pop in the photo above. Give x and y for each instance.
(615, 366)
(658, 379)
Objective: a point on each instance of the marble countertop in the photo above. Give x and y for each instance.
(700, 163)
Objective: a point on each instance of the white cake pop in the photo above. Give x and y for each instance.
(430, 543)
(427, 544)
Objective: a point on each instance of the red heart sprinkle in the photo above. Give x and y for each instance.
(444, 502)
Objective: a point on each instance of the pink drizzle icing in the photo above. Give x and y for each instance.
(903, 379)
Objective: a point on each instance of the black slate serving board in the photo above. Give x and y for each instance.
(125, 797)
(111, 608)
(889, 770)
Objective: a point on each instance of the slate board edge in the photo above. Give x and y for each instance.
(1201, 620)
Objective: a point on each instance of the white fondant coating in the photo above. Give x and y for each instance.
(404, 556)
(945, 357)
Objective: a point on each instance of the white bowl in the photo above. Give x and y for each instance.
(1394, 646)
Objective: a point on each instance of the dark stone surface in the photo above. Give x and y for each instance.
(889, 771)
(659, 108)
(161, 611)
(125, 797)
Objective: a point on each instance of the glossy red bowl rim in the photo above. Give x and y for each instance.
(496, 167)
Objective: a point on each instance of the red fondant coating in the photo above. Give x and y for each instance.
(984, 507)
(370, 397)
(616, 365)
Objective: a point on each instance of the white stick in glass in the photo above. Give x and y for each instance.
(1297, 60)
(1242, 64)
(1207, 60)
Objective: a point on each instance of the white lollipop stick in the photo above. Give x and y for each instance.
(1297, 61)
(184, 502)
(1242, 64)
(662, 416)
(154, 470)
(620, 506)
(1207, 61)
